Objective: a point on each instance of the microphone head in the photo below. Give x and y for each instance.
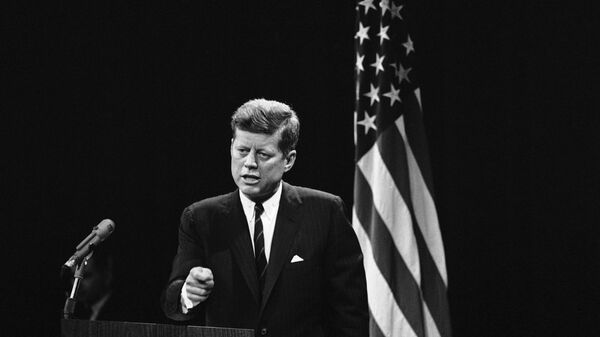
(104, 229)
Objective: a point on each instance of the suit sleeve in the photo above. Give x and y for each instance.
(190, 253)
(346, 291)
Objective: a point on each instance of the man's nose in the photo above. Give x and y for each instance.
(250, 159)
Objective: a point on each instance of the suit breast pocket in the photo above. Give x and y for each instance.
(301, 265)
(298, 268)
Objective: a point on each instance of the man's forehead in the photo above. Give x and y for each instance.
(257, 140)
(244, 135)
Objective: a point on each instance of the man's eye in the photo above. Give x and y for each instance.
(264, 156)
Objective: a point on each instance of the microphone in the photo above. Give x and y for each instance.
(99, 233)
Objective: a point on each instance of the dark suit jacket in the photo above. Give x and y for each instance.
(324, 295)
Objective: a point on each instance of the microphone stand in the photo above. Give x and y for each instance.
(70, 302)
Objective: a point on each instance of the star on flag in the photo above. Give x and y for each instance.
(385, 6)
(359, 63)
(378, 64)
(396, 11)
(373, 94)
(400, 72)
(362, 33)
(368, 122)
(383, 33)
(393, 95)
(367, 4)
(408, 45)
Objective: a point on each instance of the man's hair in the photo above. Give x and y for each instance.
(268, 117)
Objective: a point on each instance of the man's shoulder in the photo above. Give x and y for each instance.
(307, 194)
(212, 203)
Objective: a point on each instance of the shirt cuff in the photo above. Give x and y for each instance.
(186, 303)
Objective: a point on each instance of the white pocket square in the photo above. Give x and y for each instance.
(296, 258)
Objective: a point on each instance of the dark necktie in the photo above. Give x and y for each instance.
(259, 246)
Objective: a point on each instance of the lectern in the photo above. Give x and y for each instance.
(83, 328)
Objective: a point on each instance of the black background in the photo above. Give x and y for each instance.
(120, 110)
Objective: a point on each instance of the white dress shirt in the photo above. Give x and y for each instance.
(268, 217)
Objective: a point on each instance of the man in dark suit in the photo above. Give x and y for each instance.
(279, 259)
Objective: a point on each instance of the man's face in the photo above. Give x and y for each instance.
(257, 163)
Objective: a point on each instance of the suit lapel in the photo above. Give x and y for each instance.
(286, 227)
(241, 246)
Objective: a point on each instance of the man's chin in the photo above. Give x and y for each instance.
(250, 191)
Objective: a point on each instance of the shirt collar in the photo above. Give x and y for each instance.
(270, 205)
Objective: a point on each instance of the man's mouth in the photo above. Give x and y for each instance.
(250, 178)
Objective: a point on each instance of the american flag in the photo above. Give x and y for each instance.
(394, 213)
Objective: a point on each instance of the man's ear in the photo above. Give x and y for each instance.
(290, 159)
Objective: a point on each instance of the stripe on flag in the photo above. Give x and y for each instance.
(424, 208)
(386, 316)
(391, 206)
(388, 262)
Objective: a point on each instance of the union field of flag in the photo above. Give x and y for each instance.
(394, 213)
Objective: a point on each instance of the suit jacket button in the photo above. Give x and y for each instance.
(264, 331)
